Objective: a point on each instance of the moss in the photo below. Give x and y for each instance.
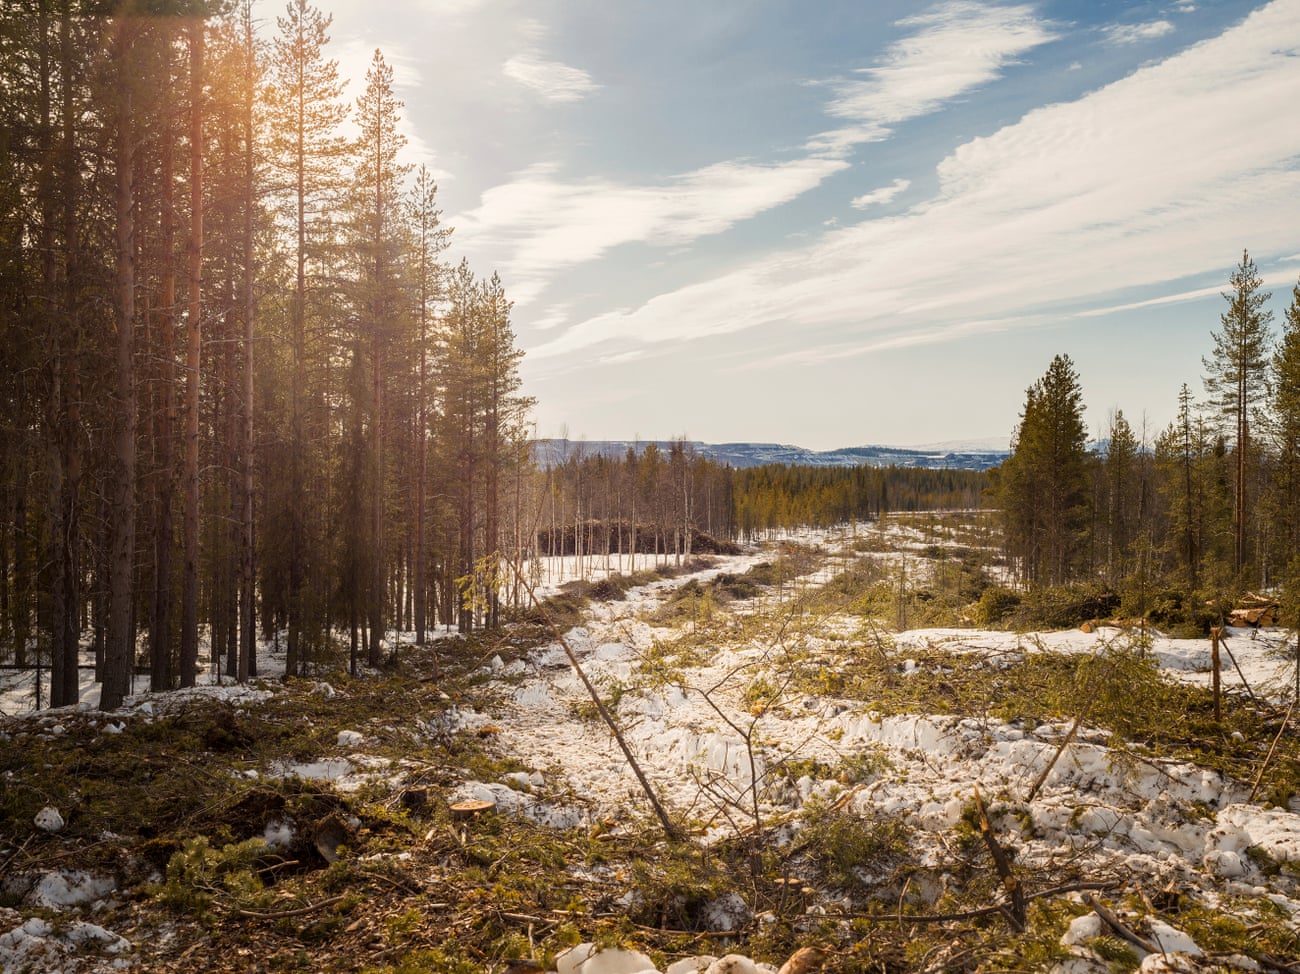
(447, 959)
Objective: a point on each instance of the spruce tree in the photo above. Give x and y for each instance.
(1044, 483)
(430, 239)
(1284, 432)
(1179, 459)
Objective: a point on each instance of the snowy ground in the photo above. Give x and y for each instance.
(704, 708)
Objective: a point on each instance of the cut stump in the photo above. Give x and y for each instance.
(460, 811)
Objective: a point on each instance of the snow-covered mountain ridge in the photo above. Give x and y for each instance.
(958, 455)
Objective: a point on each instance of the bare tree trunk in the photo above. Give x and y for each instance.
(160, 656)
(118, 651)
(194, 335)
(377, 586)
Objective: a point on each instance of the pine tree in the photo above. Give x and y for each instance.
(307, 150)
(193, 366)
(380, 311)
(1237, 371)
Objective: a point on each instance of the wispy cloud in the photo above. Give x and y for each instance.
(1138, 33)
(552, 80)
(882, 196)
(952, 49)
(1271, 279)
(1157, 177)
(539, 224)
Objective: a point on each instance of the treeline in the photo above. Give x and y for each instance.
(242, 389)
(1207, 507)
(650, 502)
(779, 497)
(678, 502)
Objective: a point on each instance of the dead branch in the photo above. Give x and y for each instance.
(1118, 926)
(1090, 696)
(1223, 641)
(1278, 964)
(1269, 757)
(671, 830)
(281, 914)
(1016, 913)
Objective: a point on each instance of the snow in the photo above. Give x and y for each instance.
(586, 959)
(710, 752)
(57, 890)
(48, 819)
(38, 945)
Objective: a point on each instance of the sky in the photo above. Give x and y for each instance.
(848, 222)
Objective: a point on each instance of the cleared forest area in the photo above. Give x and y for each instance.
(929, 796)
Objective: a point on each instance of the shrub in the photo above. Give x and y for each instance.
(995, 605)
(199, 873)
(1065, 606)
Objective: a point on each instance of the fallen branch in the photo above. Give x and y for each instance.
(1223, 639)
(671, 829)
(1117, 925)
(1278, 964)
(1016, 912)
(282, 914)
(1269, 757)
(22, 847)
(1089, 698)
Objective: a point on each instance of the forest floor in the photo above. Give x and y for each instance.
(899, 798)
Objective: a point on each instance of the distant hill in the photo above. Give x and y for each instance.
(944, 456)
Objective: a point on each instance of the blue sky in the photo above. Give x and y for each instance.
(841, 223)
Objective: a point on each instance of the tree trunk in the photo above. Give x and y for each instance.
(194, 336)
(119, 651)
(248, 577)
(160, 656)
(377, 579)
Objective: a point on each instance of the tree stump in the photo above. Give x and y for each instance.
(460, 811)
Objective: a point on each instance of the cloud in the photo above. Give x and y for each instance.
(955, 48)
(553, 81)
(1138, 33)
(543, 224)
(882, 196)
(1271, 279)
(1159, 176)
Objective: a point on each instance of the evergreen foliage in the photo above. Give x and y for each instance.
(271, 407)
(1043, 488)
(1236, 371)
(334, 412)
